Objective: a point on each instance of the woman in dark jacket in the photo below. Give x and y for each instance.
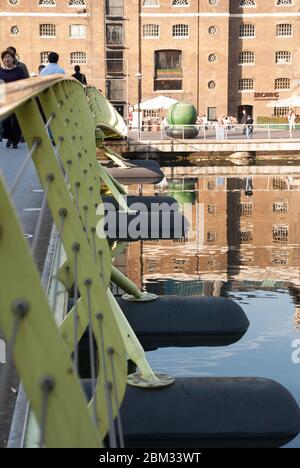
(10, 72)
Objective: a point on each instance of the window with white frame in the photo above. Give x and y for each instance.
(151, 3)
(247, 30)
(246, 235)
(246, 84)
(77, 31)
(77, 3)
(280, 234)
(180, 3)
(284, 30)
(281, 111)
(283, 57)
(77, 57)
(44, 58)
(281, 207)
(47, 3)
(47, 30)
(151, 30)
(180, 30)
(282, 83)
(246, 57)
(285, 2)
(247, 3)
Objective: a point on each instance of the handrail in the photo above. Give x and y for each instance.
(18, 92)
(70, 176)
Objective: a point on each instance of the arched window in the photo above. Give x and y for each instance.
(77, 3)
(180, 3)
(282, 83)
(151, 3)
(247, 3)
(47, 3)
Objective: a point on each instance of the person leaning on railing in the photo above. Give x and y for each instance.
(10, 72)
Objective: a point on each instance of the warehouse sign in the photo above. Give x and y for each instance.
(266, 96)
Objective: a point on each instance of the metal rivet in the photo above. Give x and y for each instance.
(48, 383)
(37, 140)
(50, 177)
(76, 247)
(20, 307)
(63, 212)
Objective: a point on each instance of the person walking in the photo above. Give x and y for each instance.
(10, 72)
(244, 120)
(18, 63)
(79, 76)
(292, 121)
(249, 127)
(52, 68)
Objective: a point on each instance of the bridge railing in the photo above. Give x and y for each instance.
(59, 128)
(214, 131)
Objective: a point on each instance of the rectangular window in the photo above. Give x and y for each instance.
(281, 111)
(246, 235)
(247, 30)
(114, 34)
(280, 183)
(151, 31)
(115, 90)
(115, 8)
(280, 234)
(114, 61)
(47, 30)
(284, 30)
(212, 113)
(77, 31)
(246, 84)
(281, 207)
(245, 209)
(180, 30)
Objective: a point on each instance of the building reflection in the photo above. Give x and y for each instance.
(249, 239)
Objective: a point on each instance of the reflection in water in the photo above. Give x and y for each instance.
(251, 238)
(246, 248)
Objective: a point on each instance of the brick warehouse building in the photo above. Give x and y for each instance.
(221, 55)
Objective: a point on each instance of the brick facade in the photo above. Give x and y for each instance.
(209, 39)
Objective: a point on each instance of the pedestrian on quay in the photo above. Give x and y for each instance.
(292, 121)
(52, 68)
(18, 63)
(249, 127)
(79, 76)
(10, 72)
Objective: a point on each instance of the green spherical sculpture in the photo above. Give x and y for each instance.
(182, 113)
